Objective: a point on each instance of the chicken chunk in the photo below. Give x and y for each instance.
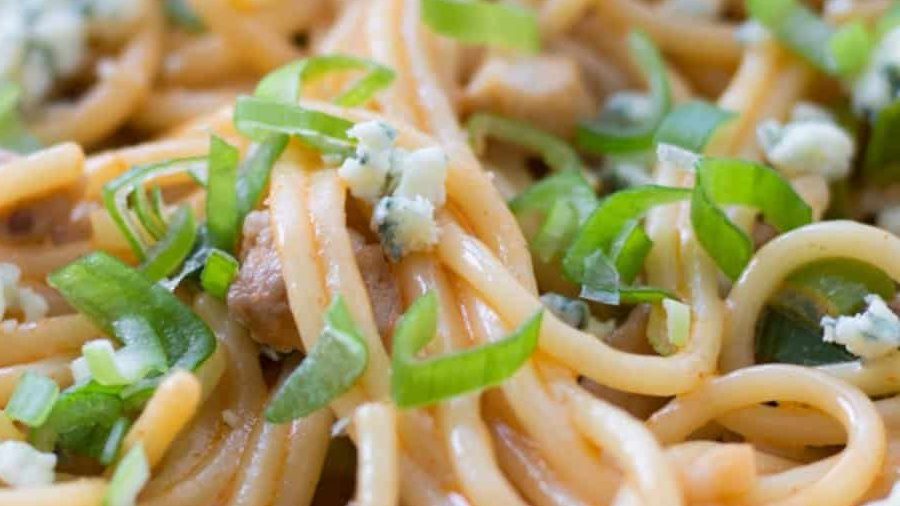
(258, 296)
(379, 281)
(546, 90)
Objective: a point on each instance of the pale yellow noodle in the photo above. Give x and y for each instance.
(632, 446)
(123, 83)
(377, 475)
(712, 42)
(256, 45)
(170, 409)
(39, 174)
(82, 492)
(856, 466)
(58, 335)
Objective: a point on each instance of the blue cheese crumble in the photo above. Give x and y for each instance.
(871, 334)
(879, 85)
(810, 143)
(23, 466)
(406, 187)
(43, 41)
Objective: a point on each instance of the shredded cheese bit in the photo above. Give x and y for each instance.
(811, 143)
(405, 187)
(877, 86)
(22, 466)
(871, 334)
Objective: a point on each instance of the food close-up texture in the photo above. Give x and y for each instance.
(449, 252)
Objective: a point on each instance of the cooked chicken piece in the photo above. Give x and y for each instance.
(379, 281)
(258, 296)
(546, 90)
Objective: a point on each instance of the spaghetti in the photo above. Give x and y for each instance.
(291, 252)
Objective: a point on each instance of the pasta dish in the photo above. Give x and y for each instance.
(449, 252)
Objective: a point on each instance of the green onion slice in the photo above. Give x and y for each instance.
(558, 155)
(419, 382)
(33, 399)
(604, 283)
(850, 47)
(551, 210)
(888, 20)
(254, 172)
(609, 134)
(482, 22)
(557, 231)
(285, 84)
(116, 195)
(692, 124)
(218, 274)
(131, 474)
(797, 27)
(882, 156)
(153, 223)
(81, 420)
(610, 218)
(114, 441)
(222, 217)
(630, 249)
(124, 303)
(164, 257)
(256, 118)
(723, 182)
(109, 367)
(333, 365)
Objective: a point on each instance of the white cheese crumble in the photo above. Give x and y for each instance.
(422, 174)
(405, 187)
(876, 88)
(23, 466)
(405, 225)
(837, 7)
(42, 41)
(871, 334)
(809, 144)
(366, 173)
(14, 297)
